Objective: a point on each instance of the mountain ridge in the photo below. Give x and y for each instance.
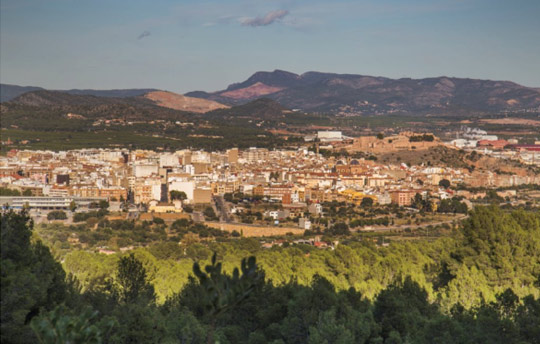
(362, 94)
(10, 91)
(47, 110)
(333, 93)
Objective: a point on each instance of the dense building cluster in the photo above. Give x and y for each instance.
(296, 178)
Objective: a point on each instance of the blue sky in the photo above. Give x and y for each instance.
(205, 45)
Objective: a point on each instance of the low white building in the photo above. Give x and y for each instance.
(327, 136)
(304, 223)
(463, 143)
(145, 170)
(384, 199)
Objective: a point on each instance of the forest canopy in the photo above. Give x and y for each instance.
(481, 285)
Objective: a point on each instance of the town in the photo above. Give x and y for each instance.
(261, 192)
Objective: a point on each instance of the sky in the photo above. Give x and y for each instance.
(184, 46)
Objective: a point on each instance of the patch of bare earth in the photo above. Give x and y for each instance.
(492, 164)
(256, 90)
(180, 102)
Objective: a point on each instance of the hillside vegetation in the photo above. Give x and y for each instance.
(60, 121)
(479, 286)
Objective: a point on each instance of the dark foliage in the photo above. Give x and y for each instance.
(246, 307)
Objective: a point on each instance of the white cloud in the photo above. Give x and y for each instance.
(268, 19)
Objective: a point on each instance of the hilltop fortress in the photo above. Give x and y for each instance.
(403, 141)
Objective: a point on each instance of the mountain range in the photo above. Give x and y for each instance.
(124, 101)
(313, 92)
(359, 94)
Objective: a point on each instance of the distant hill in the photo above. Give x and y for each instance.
(350, 93)
(9, 92)
(57, 98)
(46, 109)
(313, 92)
(51, 110)
(259, 109)
(181, 102)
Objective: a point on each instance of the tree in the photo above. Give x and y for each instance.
(32, 281)
(452, 206)
(178, 195)
(72, 206)
(56, 215)
(219, 293)
(445, 183)
(103, 205)
(367, 202)
(329, 330)
(158, 221)
(9, 192)
(380, 136)
(183, 327)
(209, 213)
(339, 229)
(27, 192)
(402, 307)
(418, 201)
(59, 326)
(228, 197)
(492, 196)
(132, 281)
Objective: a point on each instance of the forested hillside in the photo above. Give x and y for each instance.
(60, 121)
(480, 285)
(8, 92)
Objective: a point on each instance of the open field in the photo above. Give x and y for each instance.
(66, 140)
(253, 230)
(513, 121)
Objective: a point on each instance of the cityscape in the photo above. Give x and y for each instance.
(281, 172)
(289, 186)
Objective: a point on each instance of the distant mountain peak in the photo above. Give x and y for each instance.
(255, 90)
(276, 78)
